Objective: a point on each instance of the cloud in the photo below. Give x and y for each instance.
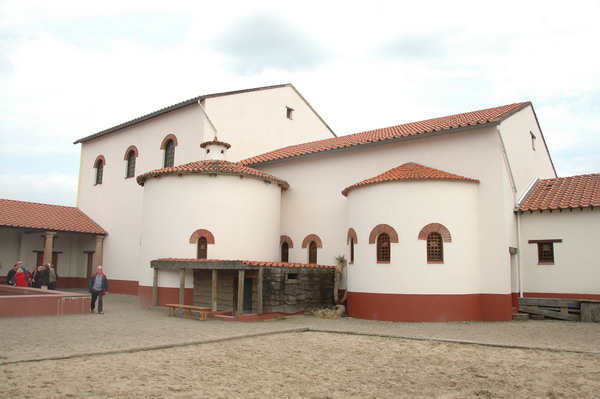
(413, 47)
(266, 42)
(51, 188)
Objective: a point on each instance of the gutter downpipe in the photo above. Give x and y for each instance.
(207, 117)
(516, 204)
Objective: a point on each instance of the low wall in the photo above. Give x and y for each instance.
(25, 301)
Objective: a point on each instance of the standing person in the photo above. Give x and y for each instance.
(98, 288)
(43, 275)
(10, 276)
(21, 278)
(52, 277)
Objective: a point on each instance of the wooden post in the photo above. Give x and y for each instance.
(155, 287)
(215, 278)
(259, 294)
(182, 286)
(240, 298)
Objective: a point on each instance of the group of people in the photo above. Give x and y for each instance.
(46, 277)
(43, 276)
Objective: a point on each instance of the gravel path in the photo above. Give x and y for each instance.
(127, 327)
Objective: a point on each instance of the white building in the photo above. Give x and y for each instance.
(424, 211)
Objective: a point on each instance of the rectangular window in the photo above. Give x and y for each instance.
(292, 278)
(545, 250)
(532, 140)
(289, 112)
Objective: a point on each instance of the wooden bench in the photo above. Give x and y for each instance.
(187, 309)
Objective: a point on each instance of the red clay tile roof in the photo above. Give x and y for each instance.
(409, 171)
(215, 141)
(485, 116)
(212, 167)
(254, 263)
(31, 215)
(581, 191)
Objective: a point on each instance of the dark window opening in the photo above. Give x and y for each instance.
(292, 276)
(285, 252)
(545, 252)
(383, 248)
(131, 164)
(351, 250)
(312, 252)
(169, 154)
(532, 140)
(435, 248)
(202, 248)
(99, 171)
(289, 112)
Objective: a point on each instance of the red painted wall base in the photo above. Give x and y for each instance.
(423, 308)
(165, 295)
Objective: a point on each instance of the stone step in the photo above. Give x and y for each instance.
(520, 316)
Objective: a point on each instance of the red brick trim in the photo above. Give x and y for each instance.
(383, 228)
(351, 234)
(210, 238)
(99, 158)
(312, 237)
(129, 149)
(435, 228)
(163, 145)
(287, 239)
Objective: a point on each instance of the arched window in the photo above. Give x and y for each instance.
(312, 252)
(351, 239)
(351, 249)
(285, 252)
(169, 154)
(202, 248)
(435, 248)
(131, 164)
(99, 166)
(383, 248)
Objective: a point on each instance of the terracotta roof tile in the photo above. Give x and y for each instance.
(490, 115)
(581, 191)
(31, 215)
(255, 263)
(215, 141)
(209, 167)
(409, 171)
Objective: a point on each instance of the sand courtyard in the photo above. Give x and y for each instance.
(132, 352)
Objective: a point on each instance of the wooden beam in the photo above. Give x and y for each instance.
(215, 279)
(259, 298)
(182, 286)
(155, 288)
(240, 296)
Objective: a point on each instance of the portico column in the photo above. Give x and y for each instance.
(98, 253)
(182, 286)
(214, 289)
(240, 296)
(48, 239)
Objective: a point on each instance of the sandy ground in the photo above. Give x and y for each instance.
(331, 363)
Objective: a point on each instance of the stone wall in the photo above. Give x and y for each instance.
(293, 290)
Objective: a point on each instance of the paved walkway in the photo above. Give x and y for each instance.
(127, 327)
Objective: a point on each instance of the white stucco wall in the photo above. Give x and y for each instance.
(242, 214)
(408, 207)
(253, 122)
(576, 268)
(314, 203)
(256, 121)
(9, 249)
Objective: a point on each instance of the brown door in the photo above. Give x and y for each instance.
(90, 263)
(40, 259)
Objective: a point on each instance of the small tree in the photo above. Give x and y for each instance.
(340, 268)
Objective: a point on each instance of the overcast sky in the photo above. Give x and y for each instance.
(72, 68)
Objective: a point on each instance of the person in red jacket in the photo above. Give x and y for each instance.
(21, 278)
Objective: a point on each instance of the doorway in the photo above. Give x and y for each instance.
(247, 302)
